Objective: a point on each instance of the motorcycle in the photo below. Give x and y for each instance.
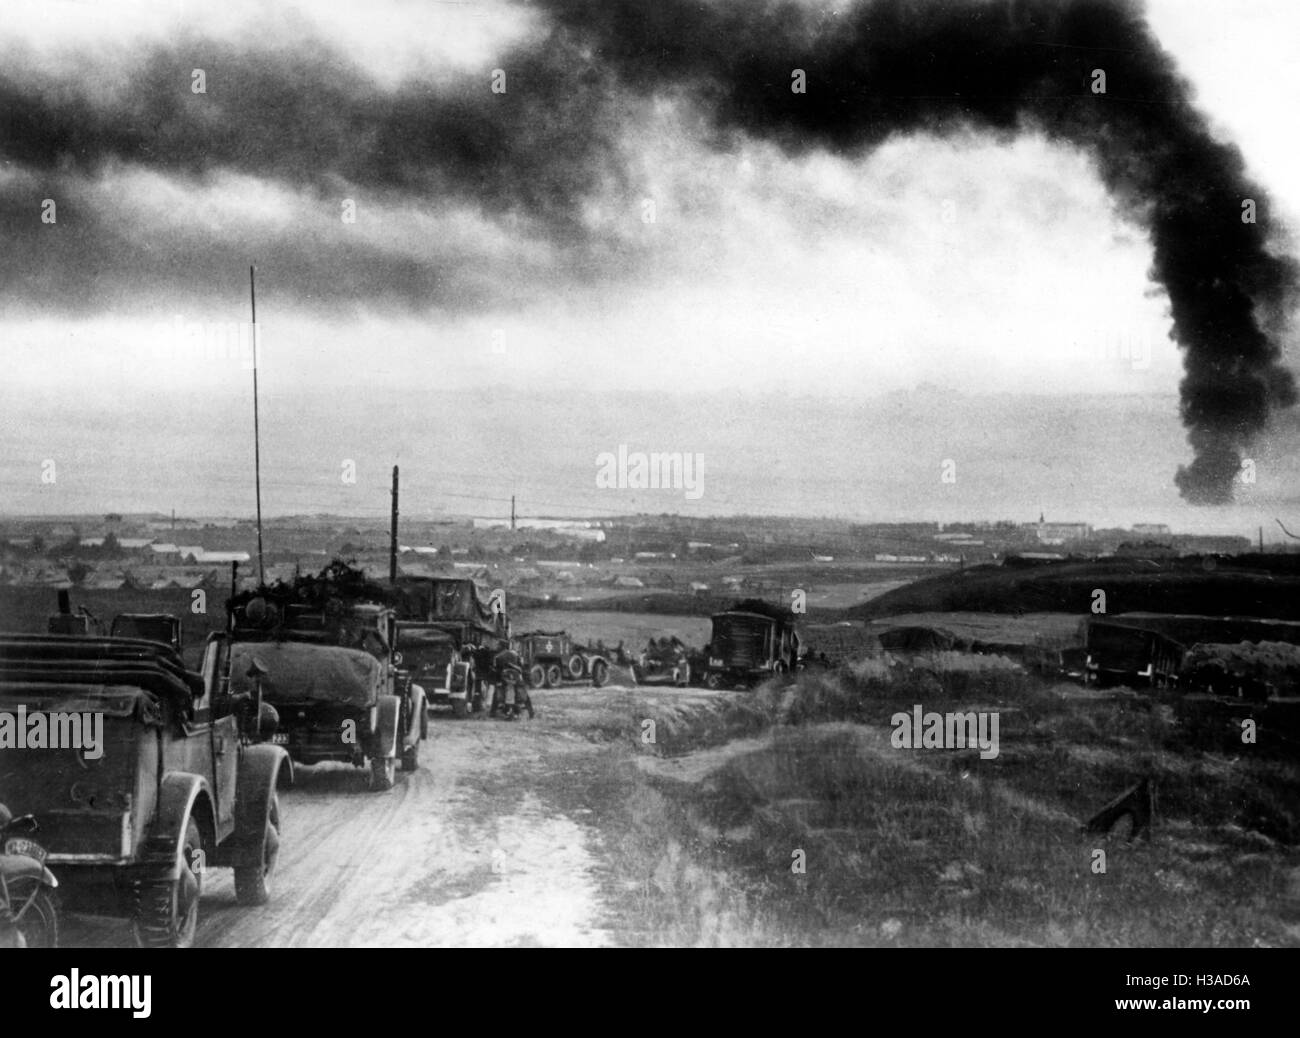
(28, 918)
(510, 695)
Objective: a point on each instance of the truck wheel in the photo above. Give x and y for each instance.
(253, 882)
(553, 675)
(168, 913)
(599, 673)
(536, 675)
(411, 758)
(713, 680)
(577, 667)
(383, 773)
(39, 924)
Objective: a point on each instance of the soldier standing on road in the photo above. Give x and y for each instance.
(508, 671)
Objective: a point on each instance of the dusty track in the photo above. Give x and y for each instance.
(455, 854)
(461, 852)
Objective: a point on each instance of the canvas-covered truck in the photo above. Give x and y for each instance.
(146, 777)
(445, 635)
(749, 643)
(551, 657)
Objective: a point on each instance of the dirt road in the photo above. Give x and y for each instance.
(461, 852)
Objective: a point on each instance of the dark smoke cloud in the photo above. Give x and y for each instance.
(306, 116)
(891, 67)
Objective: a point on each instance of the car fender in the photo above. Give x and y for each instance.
(419, 717)
(260, 771)
(182, 795)
(387, 714)
(18, 866)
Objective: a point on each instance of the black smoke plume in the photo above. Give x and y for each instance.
(889, 67)
(304, 114)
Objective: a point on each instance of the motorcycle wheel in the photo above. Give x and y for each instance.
(39, 925)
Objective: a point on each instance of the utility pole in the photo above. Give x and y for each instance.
(512, 513)
(392, 543)
(257, 438)
(1261, 540)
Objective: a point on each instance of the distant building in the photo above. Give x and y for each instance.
(226, 557)
(1059, 533)
(1151, 529)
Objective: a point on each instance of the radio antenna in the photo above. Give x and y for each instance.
(257, 438)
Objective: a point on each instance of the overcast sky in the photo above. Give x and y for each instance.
(957, 262)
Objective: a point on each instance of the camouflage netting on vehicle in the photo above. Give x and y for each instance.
(1275, 662)
(335, 584)
(301, 673)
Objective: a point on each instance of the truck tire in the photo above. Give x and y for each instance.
(713, 680)
(599, 673)
(383, 773)
(536, 676)
(253, 881)
(577, 667)
(411, 758)
(167, 912)
(553, 676)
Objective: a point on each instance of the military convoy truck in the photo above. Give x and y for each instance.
(446, 635)
(551, 657)
(173, 781)
(750, 643)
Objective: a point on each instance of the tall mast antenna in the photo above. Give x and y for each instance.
(257, 438)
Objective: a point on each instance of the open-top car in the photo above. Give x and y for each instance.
(146, 776)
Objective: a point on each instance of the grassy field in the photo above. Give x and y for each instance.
(1257, 585)
(913, 847)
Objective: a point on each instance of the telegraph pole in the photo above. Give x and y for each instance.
(512, 513)
(392, 543)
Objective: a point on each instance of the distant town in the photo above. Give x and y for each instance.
(549, 557)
